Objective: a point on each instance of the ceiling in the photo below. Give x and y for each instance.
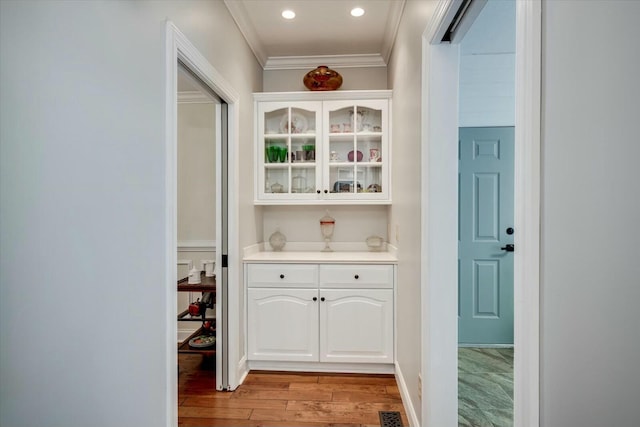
(323, 31)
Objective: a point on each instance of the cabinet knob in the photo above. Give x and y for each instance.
(282, 276)
(318, 191)
(356, 276)
(315, 298)
(322, 299)
(326, 191)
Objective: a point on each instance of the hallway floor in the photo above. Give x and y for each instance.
(485, 387)
(284, 399)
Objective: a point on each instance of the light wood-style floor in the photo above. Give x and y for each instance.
(284, 399)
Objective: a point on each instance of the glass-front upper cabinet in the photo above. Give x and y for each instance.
(334, 149)
(288, 140)
(357, 154)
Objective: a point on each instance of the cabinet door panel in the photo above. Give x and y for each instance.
(356, 325)
(283, 324)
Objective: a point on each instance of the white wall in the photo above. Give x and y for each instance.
(487, 68)
(302, 223)
(405, 79)
(356, 78)
(590, 212)
(82, 202)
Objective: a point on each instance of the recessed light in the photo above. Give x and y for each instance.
(288, 14)
(357, 11)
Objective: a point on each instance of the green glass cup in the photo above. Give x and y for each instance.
(282, 154)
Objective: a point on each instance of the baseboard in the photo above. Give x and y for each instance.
(243, 370)
(355, 368)
(485, 345)
(406, 399)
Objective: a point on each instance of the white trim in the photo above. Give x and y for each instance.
(333, 61)
(197, 245)
(352, 368)
(391, 31)
(193, 97)
(439, 236)
(406, 398)
(239, 14)
(171, 215)
(527, 214)
(178, 47)
(438, 401)
(323, 95)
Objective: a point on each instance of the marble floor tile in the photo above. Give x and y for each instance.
(479, 360)
(485, 387)
(499, 418)
(480, 391)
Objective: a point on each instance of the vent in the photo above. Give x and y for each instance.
(390, 419)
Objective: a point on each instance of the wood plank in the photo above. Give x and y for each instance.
(361, 388)
(199, 412)
(282, 395)
(280, 378)
(266, 386)
(349, 396)
(217, 422)
(362, 408)
(361, 379)
(316, 416)
(208, 402)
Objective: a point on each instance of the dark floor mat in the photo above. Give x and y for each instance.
(390, 419)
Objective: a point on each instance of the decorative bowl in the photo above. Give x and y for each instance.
(350, 156)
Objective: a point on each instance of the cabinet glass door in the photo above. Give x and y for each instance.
(289, 136)
(356, 150)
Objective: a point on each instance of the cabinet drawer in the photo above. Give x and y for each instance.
(356, 276)
(282, 276)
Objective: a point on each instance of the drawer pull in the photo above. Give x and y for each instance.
(282, 276)
(322, 299)
(315, 298)
(357, 277)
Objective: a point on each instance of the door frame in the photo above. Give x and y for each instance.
(439, 226)
(178, 47)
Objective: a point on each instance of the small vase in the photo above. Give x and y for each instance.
(277, 241)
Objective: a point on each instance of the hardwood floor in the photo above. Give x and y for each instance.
(283, 399)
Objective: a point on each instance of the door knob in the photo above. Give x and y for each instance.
(509, 247)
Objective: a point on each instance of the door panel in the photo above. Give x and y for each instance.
(283, 324)
(485, 280)
(356, 325)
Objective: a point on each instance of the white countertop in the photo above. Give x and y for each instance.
(322, 257)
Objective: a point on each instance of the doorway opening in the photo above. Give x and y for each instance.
(201, 223)
(440, 228)
(186, 65)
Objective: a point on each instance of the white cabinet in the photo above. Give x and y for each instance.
(323, 148)
(283, 324)
(356, 325)
(346, 317)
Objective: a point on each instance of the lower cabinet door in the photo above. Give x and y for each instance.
(356, 325)
(283, 324)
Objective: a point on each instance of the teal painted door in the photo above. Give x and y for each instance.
(485, 264)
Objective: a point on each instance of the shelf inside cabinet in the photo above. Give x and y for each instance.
(184, 346)
(207, 284)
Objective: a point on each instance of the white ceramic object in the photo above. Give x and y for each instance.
(194, 276)
(375, 243)
(277, 241)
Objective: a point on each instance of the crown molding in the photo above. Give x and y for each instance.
(391, 31)
(333, 61)
(239, 14)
